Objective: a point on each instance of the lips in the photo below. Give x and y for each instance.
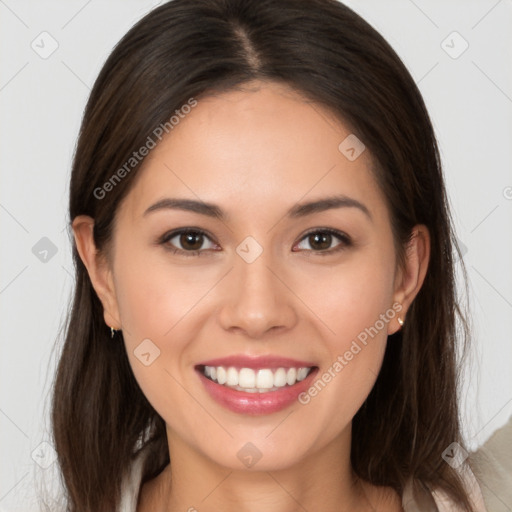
(255, 385)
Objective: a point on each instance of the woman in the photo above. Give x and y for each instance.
(264, 314)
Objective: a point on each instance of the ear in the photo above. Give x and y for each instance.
(409, 280)
(97, 267)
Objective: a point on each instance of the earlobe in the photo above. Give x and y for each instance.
(97, 267)
(410, 279)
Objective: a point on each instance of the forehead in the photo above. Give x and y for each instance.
(247, 149)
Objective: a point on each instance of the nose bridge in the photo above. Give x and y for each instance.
(255, 282)
(256, 301)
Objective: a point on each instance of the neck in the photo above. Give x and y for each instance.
(322, 481)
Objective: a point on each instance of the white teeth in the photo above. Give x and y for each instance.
(254, 381)
(291, 376)
(264, 379)
(247, 378)
(221, 375)
(302, 373)
(280, 378)
(232, 377)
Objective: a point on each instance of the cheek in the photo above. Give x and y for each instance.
(350, 297)
(355, 303)
(155, 296)
(162, 308)
(154, 301)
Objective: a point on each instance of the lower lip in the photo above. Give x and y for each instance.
(256, 403)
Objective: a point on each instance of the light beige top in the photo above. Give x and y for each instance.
(417, 498)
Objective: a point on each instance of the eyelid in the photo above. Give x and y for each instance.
(332, 231)
(169, 235)
(345, 240)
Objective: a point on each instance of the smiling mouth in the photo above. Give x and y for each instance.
(249, 380)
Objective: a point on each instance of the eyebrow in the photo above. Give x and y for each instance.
(297, 211)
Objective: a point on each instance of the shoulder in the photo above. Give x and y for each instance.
(492, 466)
(417, 496)
(444, 503)
(488, 476)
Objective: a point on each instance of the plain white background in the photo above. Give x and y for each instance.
(468, 92)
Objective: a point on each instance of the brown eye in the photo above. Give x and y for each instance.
(191, 241)
(188, 242)
(324, 241)
(320, 241)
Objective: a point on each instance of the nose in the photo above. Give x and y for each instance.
(256, 300)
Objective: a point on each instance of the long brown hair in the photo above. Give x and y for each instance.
(188, 49)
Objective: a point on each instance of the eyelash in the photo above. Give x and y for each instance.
(344, 239)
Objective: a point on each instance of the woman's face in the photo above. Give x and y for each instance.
(271, 278)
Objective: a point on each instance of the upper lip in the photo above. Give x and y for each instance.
(256, 362)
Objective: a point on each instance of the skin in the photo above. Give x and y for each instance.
(255, 153)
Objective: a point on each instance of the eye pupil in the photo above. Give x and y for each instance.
(191, 240)
(320, 240)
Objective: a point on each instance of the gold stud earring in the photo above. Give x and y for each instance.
(112, 332)
(400, 321)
